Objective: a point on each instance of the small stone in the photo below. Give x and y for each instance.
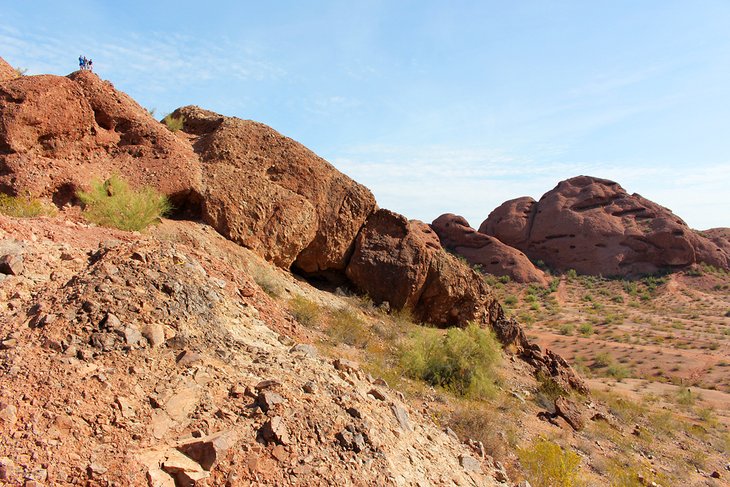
(280, 453)
(715, 474)
(188, 357)
(209, 449)
(131, 335)
(111, 322)
(354, 412)
(310, 387)
(346, 365)
(275, 430)
(125, 406)
(95, 468)
(378, 394)
(8, 414)
(155, 334)
(570, 412)
(267, 384)
(266, 400)
(401, 416)
(469, 463)
(304, 349)
(11, 264)
(8, 344)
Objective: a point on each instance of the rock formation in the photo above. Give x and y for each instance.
(487, 252)
(7, 71)
(594, 226)
(272, 194)
(402, 262)
(57, 133)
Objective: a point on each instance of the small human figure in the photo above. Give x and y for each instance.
(81, 62)
(91, 65)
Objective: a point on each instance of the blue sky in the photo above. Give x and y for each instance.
(435, 106)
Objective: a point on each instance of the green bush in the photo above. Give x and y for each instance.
(461, 361)
(586, 329)
(566, 329)
(24, 207)
(548, 465)
(510, 300)
(571, 274)
(305, 311)
(174, 123)
(112, 203)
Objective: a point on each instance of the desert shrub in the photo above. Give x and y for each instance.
(602, 360)
(686, 397)
(554, 284)
(548, 465)
(617, 371)
(347, 327)
(631, 287)
(628, 475)
(113, 203)
(571, 274)
(504, 279)
(510, 300)
(305, 311)
(566, 329)
(174, 123)
(24, 207)
(268, 283)
(461, 361)
(479, 423)
(585, 329)
(20, 71)
(547, 391)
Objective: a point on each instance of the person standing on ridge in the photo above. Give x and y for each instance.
(81, 62)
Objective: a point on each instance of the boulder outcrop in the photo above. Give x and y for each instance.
(402, 262)
(272, 194)
(487, 252)
(594, 226)
(57, 133)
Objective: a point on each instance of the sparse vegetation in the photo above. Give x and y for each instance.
(305, 311)
(548, 465)
(347, 327)
(113, 203)
(24, 207)
(460, 361)
(174, 123)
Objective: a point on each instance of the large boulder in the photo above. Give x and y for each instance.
(486, 252)
(57, 133)
(594, 226)
(720, 237)
(402, 262)
(272, 194)
(7, 71)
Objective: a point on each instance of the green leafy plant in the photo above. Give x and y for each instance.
(174, 123)
(345, 326)
(24, 207)
(113, 203)
(548, 465)
(461, 361)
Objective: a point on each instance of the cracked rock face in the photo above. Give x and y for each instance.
(594, 226)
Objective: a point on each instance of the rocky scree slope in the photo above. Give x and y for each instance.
(141, 361)
(594, 226)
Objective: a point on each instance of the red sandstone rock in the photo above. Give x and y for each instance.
(58, 133)
(594, 226)
(272, 194)
(7, 71)
(402, 262)
(487, 252)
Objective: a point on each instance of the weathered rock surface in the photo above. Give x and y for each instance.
(487, 252)
(57, 133)
(402, 262)
(7, 71)
(720, 237)
(272, 194)
(594, 226)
